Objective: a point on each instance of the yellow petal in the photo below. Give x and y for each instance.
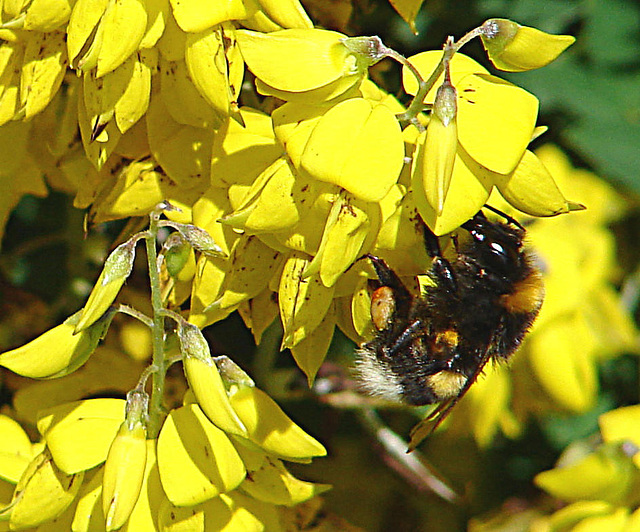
(440, 142)
(293, 124)
(611, 322)
(88, 512)
(135, 192)
(325, 93)
(207, 212)
(85, 16)
(271, 429)
(206, 289)
(65, 351)
(157, 15)
(15, 449)
(184, 152)
(349, 224)
(495, 121)
(468, 191)
(275, 201)
(182, 99)
(408, 10)
(123, 26)
(357, 146)
(617, 521)
(251, 515)
(622, 424)
(487, 404)
(196, 460)
(286, 13)
(426, 62)
(151, 495)
(361, 310)
(306, 235)
(570, 516)
(42, 494)
(133, 103)
(296, 60)
(115, 272)
(571, 380)
(43, 68)
(303, 302)
(172, 518)
(207, 64)
(272, 483)
(240, 153)
(194, 16)
(210, 393)
(252, 264)
(123, 474)
(310, 353)
(79, 434)
(530, 188)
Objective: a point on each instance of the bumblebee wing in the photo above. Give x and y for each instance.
(430, 423)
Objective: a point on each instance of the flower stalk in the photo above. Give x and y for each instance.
(159, 363)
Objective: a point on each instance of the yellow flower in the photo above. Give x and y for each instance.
(495, 122)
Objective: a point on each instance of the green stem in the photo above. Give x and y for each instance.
(126, 309)
(156, 411)
(450, 48)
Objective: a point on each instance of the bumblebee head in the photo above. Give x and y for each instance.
(496, 247)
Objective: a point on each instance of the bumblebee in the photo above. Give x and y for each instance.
(431, 348)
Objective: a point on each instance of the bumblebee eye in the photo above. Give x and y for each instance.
(497, 248)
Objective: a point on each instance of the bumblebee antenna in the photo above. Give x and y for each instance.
(509, 219)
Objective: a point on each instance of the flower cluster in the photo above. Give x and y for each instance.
(94, 469)
(271, 205)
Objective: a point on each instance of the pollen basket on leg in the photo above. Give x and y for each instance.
(383, 305)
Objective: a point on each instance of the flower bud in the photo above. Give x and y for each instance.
(368, 50)
(205, 380)
(515, 48)
(199, 239)
(177, 254)
(433, 167)
(115, 272)
(125, 464)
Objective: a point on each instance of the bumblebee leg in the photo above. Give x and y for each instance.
(405, 338)
(387, 276)
(402, 298)
(441, 266)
